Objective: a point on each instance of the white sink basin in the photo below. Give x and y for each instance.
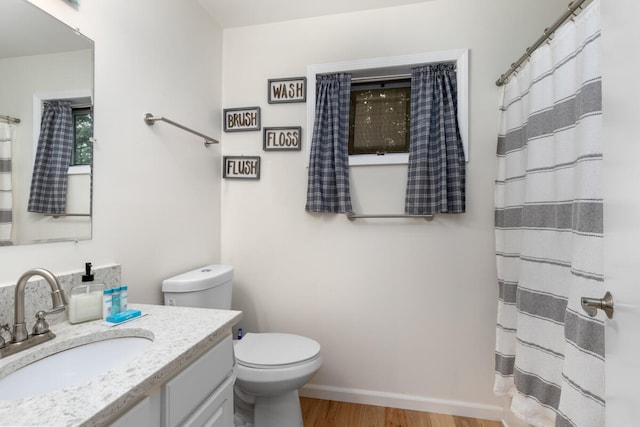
(71, 366)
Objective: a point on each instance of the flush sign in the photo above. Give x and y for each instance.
(241, 167)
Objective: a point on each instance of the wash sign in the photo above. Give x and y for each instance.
(287, 90)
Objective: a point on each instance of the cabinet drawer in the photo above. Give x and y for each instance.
(189, 389)
(217, 409)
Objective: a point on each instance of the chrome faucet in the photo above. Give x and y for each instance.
(20, 339)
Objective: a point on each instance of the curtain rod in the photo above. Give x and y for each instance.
(150, 119)
(352, 216)
(381, 78)
(389, 77)
(10, 119)
(548, 32)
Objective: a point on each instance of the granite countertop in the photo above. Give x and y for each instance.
(180, 335)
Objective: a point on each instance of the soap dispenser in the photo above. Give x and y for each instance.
(86, 300)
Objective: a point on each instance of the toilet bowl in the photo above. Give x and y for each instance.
(270, 367)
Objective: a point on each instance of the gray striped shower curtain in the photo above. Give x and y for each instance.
(7, 132)
(549, 232)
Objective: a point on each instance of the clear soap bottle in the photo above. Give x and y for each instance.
(85, 302)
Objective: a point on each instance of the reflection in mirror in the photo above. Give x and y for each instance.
(41, 60)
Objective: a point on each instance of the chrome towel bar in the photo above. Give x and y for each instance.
(150, 119)
(68, 214)
(10, 119)
(352, 216)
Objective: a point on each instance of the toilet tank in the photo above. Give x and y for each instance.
(204, 287)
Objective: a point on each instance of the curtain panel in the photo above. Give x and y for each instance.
(549, 232)
(55, 147)
(328, 180)
(436, 175)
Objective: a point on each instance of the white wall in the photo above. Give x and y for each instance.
(404, 309)
(621, 89)
(157, 189)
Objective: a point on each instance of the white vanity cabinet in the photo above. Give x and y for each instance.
(145, 414)
(199, 395)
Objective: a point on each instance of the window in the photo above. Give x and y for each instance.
(82, 132)
(379, 117)
(370, 70)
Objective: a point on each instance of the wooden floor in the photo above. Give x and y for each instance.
(329, 413)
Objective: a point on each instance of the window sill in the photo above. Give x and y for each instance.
(79, 170)
(375, 160)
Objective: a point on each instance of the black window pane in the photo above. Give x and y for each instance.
(379, 120)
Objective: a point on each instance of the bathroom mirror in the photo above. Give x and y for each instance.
(42, 59)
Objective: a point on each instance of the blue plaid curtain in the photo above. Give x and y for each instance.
(55, 147)
(436, 178)
(328, 183)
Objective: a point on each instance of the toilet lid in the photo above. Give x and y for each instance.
(274, 349)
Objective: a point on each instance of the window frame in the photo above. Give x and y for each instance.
(390, 67)
(84, 109)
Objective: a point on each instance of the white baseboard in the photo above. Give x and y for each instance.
(403, 401)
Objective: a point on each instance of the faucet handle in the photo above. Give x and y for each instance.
(5, 327)
(41, 326)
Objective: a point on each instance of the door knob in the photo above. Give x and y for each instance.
(591, 305)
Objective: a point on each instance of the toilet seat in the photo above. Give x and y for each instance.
(275, 350)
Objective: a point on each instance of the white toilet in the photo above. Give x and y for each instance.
(271, 367)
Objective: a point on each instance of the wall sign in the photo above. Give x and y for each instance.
(287, 90)
(241, 119)
(282, 138)
(241, 167)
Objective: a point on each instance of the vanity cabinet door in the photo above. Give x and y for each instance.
(216, 410)
(145, 414)
(190, 392)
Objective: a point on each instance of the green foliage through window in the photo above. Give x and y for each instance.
(83, 132)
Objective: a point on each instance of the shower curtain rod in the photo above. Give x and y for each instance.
(352, 216)
(10, 119)
(548, 32)
(150, 119)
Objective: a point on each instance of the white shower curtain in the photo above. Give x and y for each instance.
(549, 232)
(7, 135)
